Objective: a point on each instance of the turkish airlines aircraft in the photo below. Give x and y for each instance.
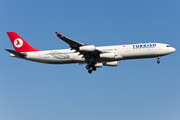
(81, 53)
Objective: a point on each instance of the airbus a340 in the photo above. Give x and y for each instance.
(94, 57)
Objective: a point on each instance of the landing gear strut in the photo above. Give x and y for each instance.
(158, 61)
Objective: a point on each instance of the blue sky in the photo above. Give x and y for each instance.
(134, 90)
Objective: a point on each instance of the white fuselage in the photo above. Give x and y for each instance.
(122, 52)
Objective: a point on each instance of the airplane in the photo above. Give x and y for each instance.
(94, 57)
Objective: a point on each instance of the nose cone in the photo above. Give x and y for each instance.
(172, 49)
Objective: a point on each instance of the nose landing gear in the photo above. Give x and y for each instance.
(158, 61)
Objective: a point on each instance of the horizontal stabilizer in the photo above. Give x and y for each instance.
(16, 53)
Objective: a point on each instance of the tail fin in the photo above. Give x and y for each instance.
(19, 44)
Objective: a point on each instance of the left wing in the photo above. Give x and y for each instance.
(89, 52)
(79, 47)
(73, 44)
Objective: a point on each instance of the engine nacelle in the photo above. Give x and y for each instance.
(114, 63)
(107, 55)
(87, 48)
(98, 65)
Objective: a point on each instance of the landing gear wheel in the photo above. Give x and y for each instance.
(89, 71)
(158, 61)
(87, 67)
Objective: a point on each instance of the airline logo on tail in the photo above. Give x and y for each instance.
(18, 42)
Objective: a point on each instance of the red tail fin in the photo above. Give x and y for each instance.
(19, 44)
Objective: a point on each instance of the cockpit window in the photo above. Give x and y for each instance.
(168, 46)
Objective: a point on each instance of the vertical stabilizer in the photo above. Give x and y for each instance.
(19, 44)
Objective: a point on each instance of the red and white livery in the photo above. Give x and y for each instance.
(91, 55)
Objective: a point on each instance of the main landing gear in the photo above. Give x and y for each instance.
(158, 61)
(90, 67)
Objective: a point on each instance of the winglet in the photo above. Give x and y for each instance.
(58, 34)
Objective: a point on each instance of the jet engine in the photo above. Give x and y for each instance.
(98, 65)
(114, 63)
(107, 55)
(87, 48)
